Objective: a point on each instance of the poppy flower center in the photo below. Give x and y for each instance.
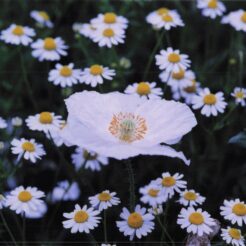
(28, 146)
(190, 196)
(49, 44)
(239, 95)
(81, 216)
(196, 218)
(45, 118)
(213, 4)
(88, 156)
(66, 71)
(210, 99)
(96, 70)
(44, 15)
(143, 88)
(108, 32)
(239, 209)
(104, 197)
(168, 181)
(162, 11)
(25, 196)
(174, 58)
(110, 18)
(243, 17)
(167, 18)
(153, 192)
(135, 220)
(18, 31)
(235, 233)
(179, 75)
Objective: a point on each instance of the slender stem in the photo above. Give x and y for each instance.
(131, 184)
(24, 229)
(241, 68)
(105, 225)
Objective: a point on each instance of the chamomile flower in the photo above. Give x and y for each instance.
(108, 36)
(172, 61)
(195, 221)
(29, 149)
(104, 200)
(138, 223)
(211, 8)
(240, 95)
(236, 19)
(44, 121)
(191, 198)
(211, 104)
(81, 219)
(144, 89)
(37, 214)
(88, 159)
(171, 183)
(16, 121)
(164, 18)
(64, 75)
(24, 200)
(50, 49)
(95, 74)
(2, 201)
(42, 18)
(65, 191)
(156, 210)
(109, 20)
(87, 30)
(120, 126)
(234, 211)
(3, 123)
(232, 236)
(17, 35)
(152, 195)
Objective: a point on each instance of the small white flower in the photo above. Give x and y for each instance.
(2, 201)
(104, 200)
(17, 35)
(195, 221)
(211, 8)
(240, 95)
(191, 198)
(24, 200)
(87, 30)
(137, 223)
(37, 214)
(88, 159)
(50, 49)
(172, 61)
(144, 89)
(232, 236)
(211, 104)
(29, 149)
(16, 121)
(234, 211)
(236, 19)
(64, 75)
(42, 18)
(81, 219)
(156, 210)
(3, 123)
(95, 74)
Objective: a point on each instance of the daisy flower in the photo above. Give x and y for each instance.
(152, 195)
(64, 75)
(232, 236)
(24, 200)
(87, 30)
(104, 200)
(108, 36)
(37, 214)
(191, 198)
(17, 35)
(138, 223)
(29, 149)
(44, 121)
(195, 221)
(88, 159)
(121, 126)
(240, 95)
(172, 61)
(42, 18)
(171, 183)
(64, 191)
(234, 211)
(3, 123)
(50, 49)
(16, 121)
(2, 201)
(164, 18)
(95, 74)
(211, 104)
(81, 219)
(144, 89)
(236, 19)
(211, 8)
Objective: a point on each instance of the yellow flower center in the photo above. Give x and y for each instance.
(44, 15)
(213, 4)
(179, 75)
(235, 233)
(243, 17)
(45, 118)
(174, 58)
(210, 99)
(239, 95)
(135, 220)
(192, 88)
(18, 31)
(108, 32)
(143, 88)
(110, 18)
(49, 44)
(153, 192)
(81, 216)
(28, 146)
(162, 11)
(239, 209)
(196, 218)
(128, 127)
(104, 197)
(190, 196)
(167, 18)
(168, 181)
(96, 69)
(66, 71)
(25, 196)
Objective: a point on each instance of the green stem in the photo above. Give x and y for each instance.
(240, 54)
(131, 184)
(24, 229)
(105, 225)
